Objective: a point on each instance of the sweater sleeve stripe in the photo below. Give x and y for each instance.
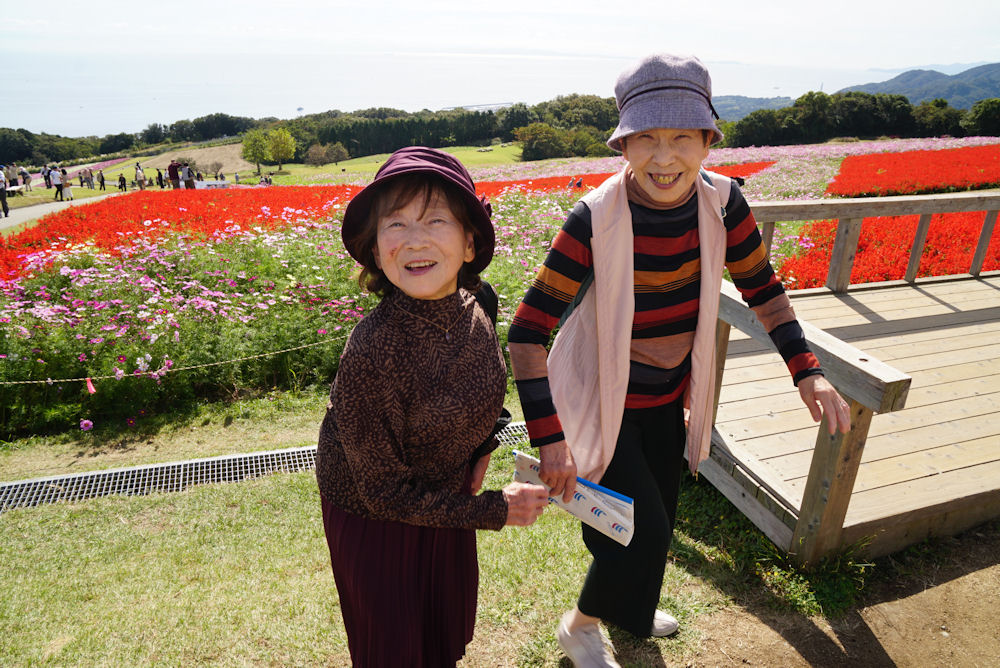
(539, 412)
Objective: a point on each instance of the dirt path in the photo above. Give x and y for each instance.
(945, 617)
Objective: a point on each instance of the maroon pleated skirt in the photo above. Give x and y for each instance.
(407, 593)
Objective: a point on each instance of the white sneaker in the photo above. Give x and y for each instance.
(663, 625)
(586, 646)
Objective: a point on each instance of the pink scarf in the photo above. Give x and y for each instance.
(589, 361)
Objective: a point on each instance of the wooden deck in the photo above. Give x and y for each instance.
(918, 362)
(931, 468)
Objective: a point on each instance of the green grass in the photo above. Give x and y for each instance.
(348, 170)
(42, 195)
(365, 167)
(238, 574)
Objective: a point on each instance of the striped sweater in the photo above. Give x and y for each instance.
(667, 278)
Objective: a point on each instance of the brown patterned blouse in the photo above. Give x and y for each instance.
(406, 411)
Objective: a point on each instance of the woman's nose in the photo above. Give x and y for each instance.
(663, 153)
(416, 236)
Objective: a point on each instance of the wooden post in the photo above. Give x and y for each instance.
(984, 243)
(721, 349)
(767, 234)
(923, 225)
(828, 489)
(845, 247)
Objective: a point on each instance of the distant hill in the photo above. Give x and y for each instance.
(735, 107)
(962, 90)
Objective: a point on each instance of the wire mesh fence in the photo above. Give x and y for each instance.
(176, 476)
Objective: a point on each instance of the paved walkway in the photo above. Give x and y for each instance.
(26, 213)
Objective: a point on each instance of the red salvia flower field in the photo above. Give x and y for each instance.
(108, 224)
(492, 189)
(917, 172)
(884, 249)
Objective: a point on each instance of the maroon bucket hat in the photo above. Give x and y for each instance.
(422, 159)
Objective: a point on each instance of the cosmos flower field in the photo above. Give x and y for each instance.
(150, 301)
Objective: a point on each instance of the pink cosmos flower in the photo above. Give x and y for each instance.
(86, 425)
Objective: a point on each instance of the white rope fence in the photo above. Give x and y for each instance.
(164, 371)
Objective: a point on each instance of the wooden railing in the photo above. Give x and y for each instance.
(850, 212)
(870, 386)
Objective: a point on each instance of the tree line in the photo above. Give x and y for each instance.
(25, 147)
(818, 117)
(570, 125)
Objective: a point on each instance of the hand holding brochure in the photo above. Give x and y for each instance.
(605, 510)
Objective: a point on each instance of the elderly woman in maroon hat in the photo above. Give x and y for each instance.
(633, 278)
(409, 426)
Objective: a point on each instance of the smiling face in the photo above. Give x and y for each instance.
(421, 247)
(666, 161)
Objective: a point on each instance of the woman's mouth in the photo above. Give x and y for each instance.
(419, 266)
(664, 179)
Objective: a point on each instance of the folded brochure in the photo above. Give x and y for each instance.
(599, 507)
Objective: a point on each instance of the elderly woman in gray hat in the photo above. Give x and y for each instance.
(634, 278)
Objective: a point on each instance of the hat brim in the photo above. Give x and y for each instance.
(678, 109)
(356, 215)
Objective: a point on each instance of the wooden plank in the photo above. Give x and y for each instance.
(828, 490)
(762, 475)
(961, 403)
(889, 290)
(722, 329)
(931, 462)
(909, 466)
(976, 362)
(767, 235)
(854, 372)
(742, 356)
(776, 530)
(946, 488)
(918, 347)
(845, 248)
(866, 207)
(904, 514)
(923, 394)
(897, 301)
(920, 239)
(893, 533)
(984, 242)
(925, 283)
(790, 464)
(932, 315)
(859, 330)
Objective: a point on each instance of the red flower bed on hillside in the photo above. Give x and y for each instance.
(884, 249)
(109, 223)
(915, 172)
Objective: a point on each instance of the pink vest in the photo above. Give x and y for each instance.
(589, 361)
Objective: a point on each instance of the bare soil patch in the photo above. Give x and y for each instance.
(229, 155)
(943, 613)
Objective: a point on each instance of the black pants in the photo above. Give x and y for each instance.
(58, 194)
(3, 200)
(623, 584)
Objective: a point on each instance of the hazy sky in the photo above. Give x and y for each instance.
(79, 68)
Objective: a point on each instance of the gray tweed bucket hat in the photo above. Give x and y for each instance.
(664, 91)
